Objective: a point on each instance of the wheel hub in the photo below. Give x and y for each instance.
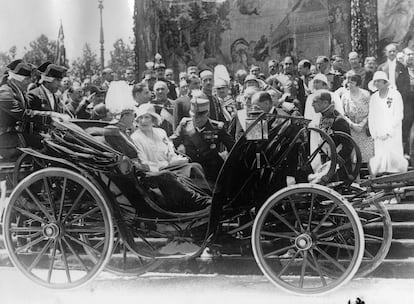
(51, 230)
(303, 242)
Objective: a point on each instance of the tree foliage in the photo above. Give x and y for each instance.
(6, 58)
(87, 65)
(40, 50)
(122, 57)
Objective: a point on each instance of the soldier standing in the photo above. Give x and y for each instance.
(200, 137)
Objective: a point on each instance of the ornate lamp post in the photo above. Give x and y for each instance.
(101, 39)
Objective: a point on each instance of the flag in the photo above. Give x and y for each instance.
(60, 57)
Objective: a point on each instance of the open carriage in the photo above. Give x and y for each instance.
(84, 206)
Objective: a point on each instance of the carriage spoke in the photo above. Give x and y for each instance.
(278, 235)
(86, 230)
(30, 215)
(86, 214)
(40, 255)
(25, 229)
(295, 211)
(82, 243)
(39, 205)
(318, 268)
(62, 198)
(331, 244)
(75, 204)
(49, 194)
(367, 253)
(65, 262)
(373, 238)
(280, 218)
(303, 269)
(288, 264)
(276, 252)
(52, 262)
(317, 150)
(30, 244)
(75, 254)
(311, 211)
(333, 261)
(336, 229)
(323, 220)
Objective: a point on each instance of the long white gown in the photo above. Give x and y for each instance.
(385, 125)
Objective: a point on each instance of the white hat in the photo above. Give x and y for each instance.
(378, 75)
(119, 98)
(148, 108)
(206, 73)
(321, 77)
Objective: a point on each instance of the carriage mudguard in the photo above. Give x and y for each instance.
(64, 162)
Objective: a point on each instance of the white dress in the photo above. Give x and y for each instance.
(385, 125)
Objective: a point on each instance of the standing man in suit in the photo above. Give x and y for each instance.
(43, 98)
(399, 78)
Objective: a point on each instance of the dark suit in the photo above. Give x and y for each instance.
(402, 81)
(181, 109)
(12, 110)
(37, 100)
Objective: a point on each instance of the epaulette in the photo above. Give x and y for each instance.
(216, 123)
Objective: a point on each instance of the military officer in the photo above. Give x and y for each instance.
(12, 108)
(200, 137)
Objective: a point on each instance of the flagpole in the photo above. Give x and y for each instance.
(101, 40)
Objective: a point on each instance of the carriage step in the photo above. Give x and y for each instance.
(403, 230)
(401, 212)
(401, 249)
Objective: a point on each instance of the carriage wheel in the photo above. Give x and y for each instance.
(349, 161)
(324, 154)
(377, 225)
(124, 261)
(49, 214)
(307, 239)
(25, 164)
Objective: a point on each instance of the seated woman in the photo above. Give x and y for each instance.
(156, 150)
(180, 194)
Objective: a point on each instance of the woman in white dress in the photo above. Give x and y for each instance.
(385, 125)
(156, 150)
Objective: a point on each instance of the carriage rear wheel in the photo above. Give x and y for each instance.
(307, 239)
(49, 214)
(377, 225)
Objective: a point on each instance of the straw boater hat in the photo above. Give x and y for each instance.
(148, 108)
(378, 75)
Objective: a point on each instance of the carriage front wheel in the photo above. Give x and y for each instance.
(48, 216)
(307, 239)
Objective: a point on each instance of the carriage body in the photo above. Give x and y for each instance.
(87, 200)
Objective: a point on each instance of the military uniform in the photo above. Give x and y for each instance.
(202, 144)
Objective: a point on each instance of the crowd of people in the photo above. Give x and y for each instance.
(200, 116)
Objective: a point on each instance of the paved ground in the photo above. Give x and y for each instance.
(183, 289)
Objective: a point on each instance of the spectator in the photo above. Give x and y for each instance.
(385, 125)
(370, 66)
(273, 67)
(130, 76)
(355, 64)
(164, 106)
(356, 106)
(399, 78)
(207, 84)
(141, 93)
(182, 104)
(108, 76)
(160, 73)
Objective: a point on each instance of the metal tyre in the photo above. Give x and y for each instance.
(307, 239)
(49, 214)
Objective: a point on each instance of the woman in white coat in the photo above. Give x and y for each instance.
(385, 125)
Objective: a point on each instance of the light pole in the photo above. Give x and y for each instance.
(101, 39)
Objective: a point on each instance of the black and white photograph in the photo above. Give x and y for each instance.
(207, 151)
